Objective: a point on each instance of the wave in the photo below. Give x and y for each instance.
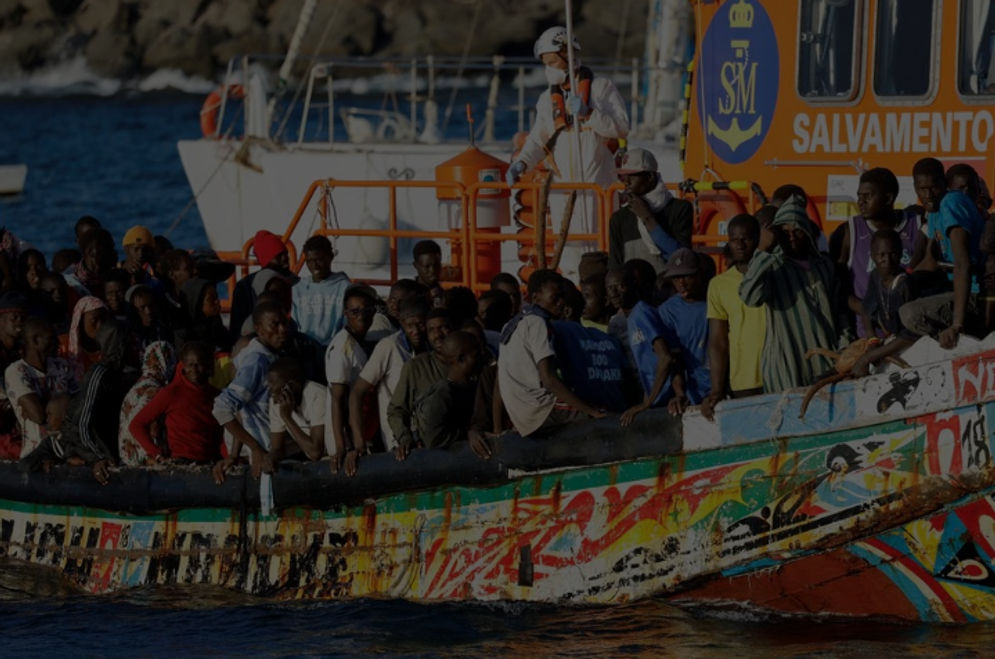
(175, 80)
(73, 77)
(70, 77)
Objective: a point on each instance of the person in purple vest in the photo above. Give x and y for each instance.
(876, 196)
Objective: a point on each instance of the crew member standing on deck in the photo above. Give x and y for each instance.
(599, 111)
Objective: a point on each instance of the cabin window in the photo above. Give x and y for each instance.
(827, 49)
(903, 50)
(975, 64)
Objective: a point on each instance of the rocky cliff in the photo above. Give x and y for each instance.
(126, 38)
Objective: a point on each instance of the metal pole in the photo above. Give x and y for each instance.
(635, 96)
(331, 106)
(521, 99)
(414, 97)
(573, 91)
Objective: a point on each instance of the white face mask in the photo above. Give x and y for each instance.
(555, 76)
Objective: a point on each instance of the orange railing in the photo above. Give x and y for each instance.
(467, 239)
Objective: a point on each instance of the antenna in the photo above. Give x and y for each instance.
(469, 119)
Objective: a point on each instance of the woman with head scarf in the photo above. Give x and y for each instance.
(158, 364)
(83, 348)
(204, 312)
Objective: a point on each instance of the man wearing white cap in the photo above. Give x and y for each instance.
(596, 108)
(651, 224)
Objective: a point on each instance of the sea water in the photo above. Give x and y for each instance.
(115, 158)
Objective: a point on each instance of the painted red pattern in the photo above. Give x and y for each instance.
(955, 442)
(493, 562)
(924, 577)
(974, 378)
(536, 522)
(972, 515)
(110, 536)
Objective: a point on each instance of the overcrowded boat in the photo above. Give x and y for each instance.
(870, 497)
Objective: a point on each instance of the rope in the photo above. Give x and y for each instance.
(313, 59)
(462, 65)
(196, 195)
(623, 28)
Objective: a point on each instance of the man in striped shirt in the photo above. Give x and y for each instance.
(799, 287)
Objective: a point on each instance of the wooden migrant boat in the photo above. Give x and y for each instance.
(880, 502)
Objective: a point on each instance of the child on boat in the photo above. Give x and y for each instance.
(955, 225)
(876, 196)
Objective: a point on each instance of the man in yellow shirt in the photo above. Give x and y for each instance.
(735, 330)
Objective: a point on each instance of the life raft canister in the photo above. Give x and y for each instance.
(473, 167)
(212, 106)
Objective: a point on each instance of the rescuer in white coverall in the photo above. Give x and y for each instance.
(599, 110)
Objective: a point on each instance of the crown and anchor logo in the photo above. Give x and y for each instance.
(738, 79)
(741, 15)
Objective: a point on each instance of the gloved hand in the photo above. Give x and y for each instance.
(514, 172)
(576, 106)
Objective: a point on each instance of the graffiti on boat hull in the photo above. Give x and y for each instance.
(594, 534)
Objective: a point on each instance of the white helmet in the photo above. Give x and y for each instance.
(553, 40)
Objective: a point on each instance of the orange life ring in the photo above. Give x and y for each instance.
(212, 105)
(715, 206)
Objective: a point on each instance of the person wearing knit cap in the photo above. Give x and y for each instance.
(802, 294)
(268, 248)
(274, 259)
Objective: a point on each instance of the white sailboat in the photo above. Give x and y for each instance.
(12, 179)
(259, 179)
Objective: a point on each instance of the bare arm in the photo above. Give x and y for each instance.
(891, 349)
(360, 388)
(918, 250)
(32, 408)
(663, 363)
(340, 393)
(305, 440)
(497, 409)
(962, 286)
(241, 436)
(857, 307)
(718, 363)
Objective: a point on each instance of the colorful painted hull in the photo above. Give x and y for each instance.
(890, 513)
